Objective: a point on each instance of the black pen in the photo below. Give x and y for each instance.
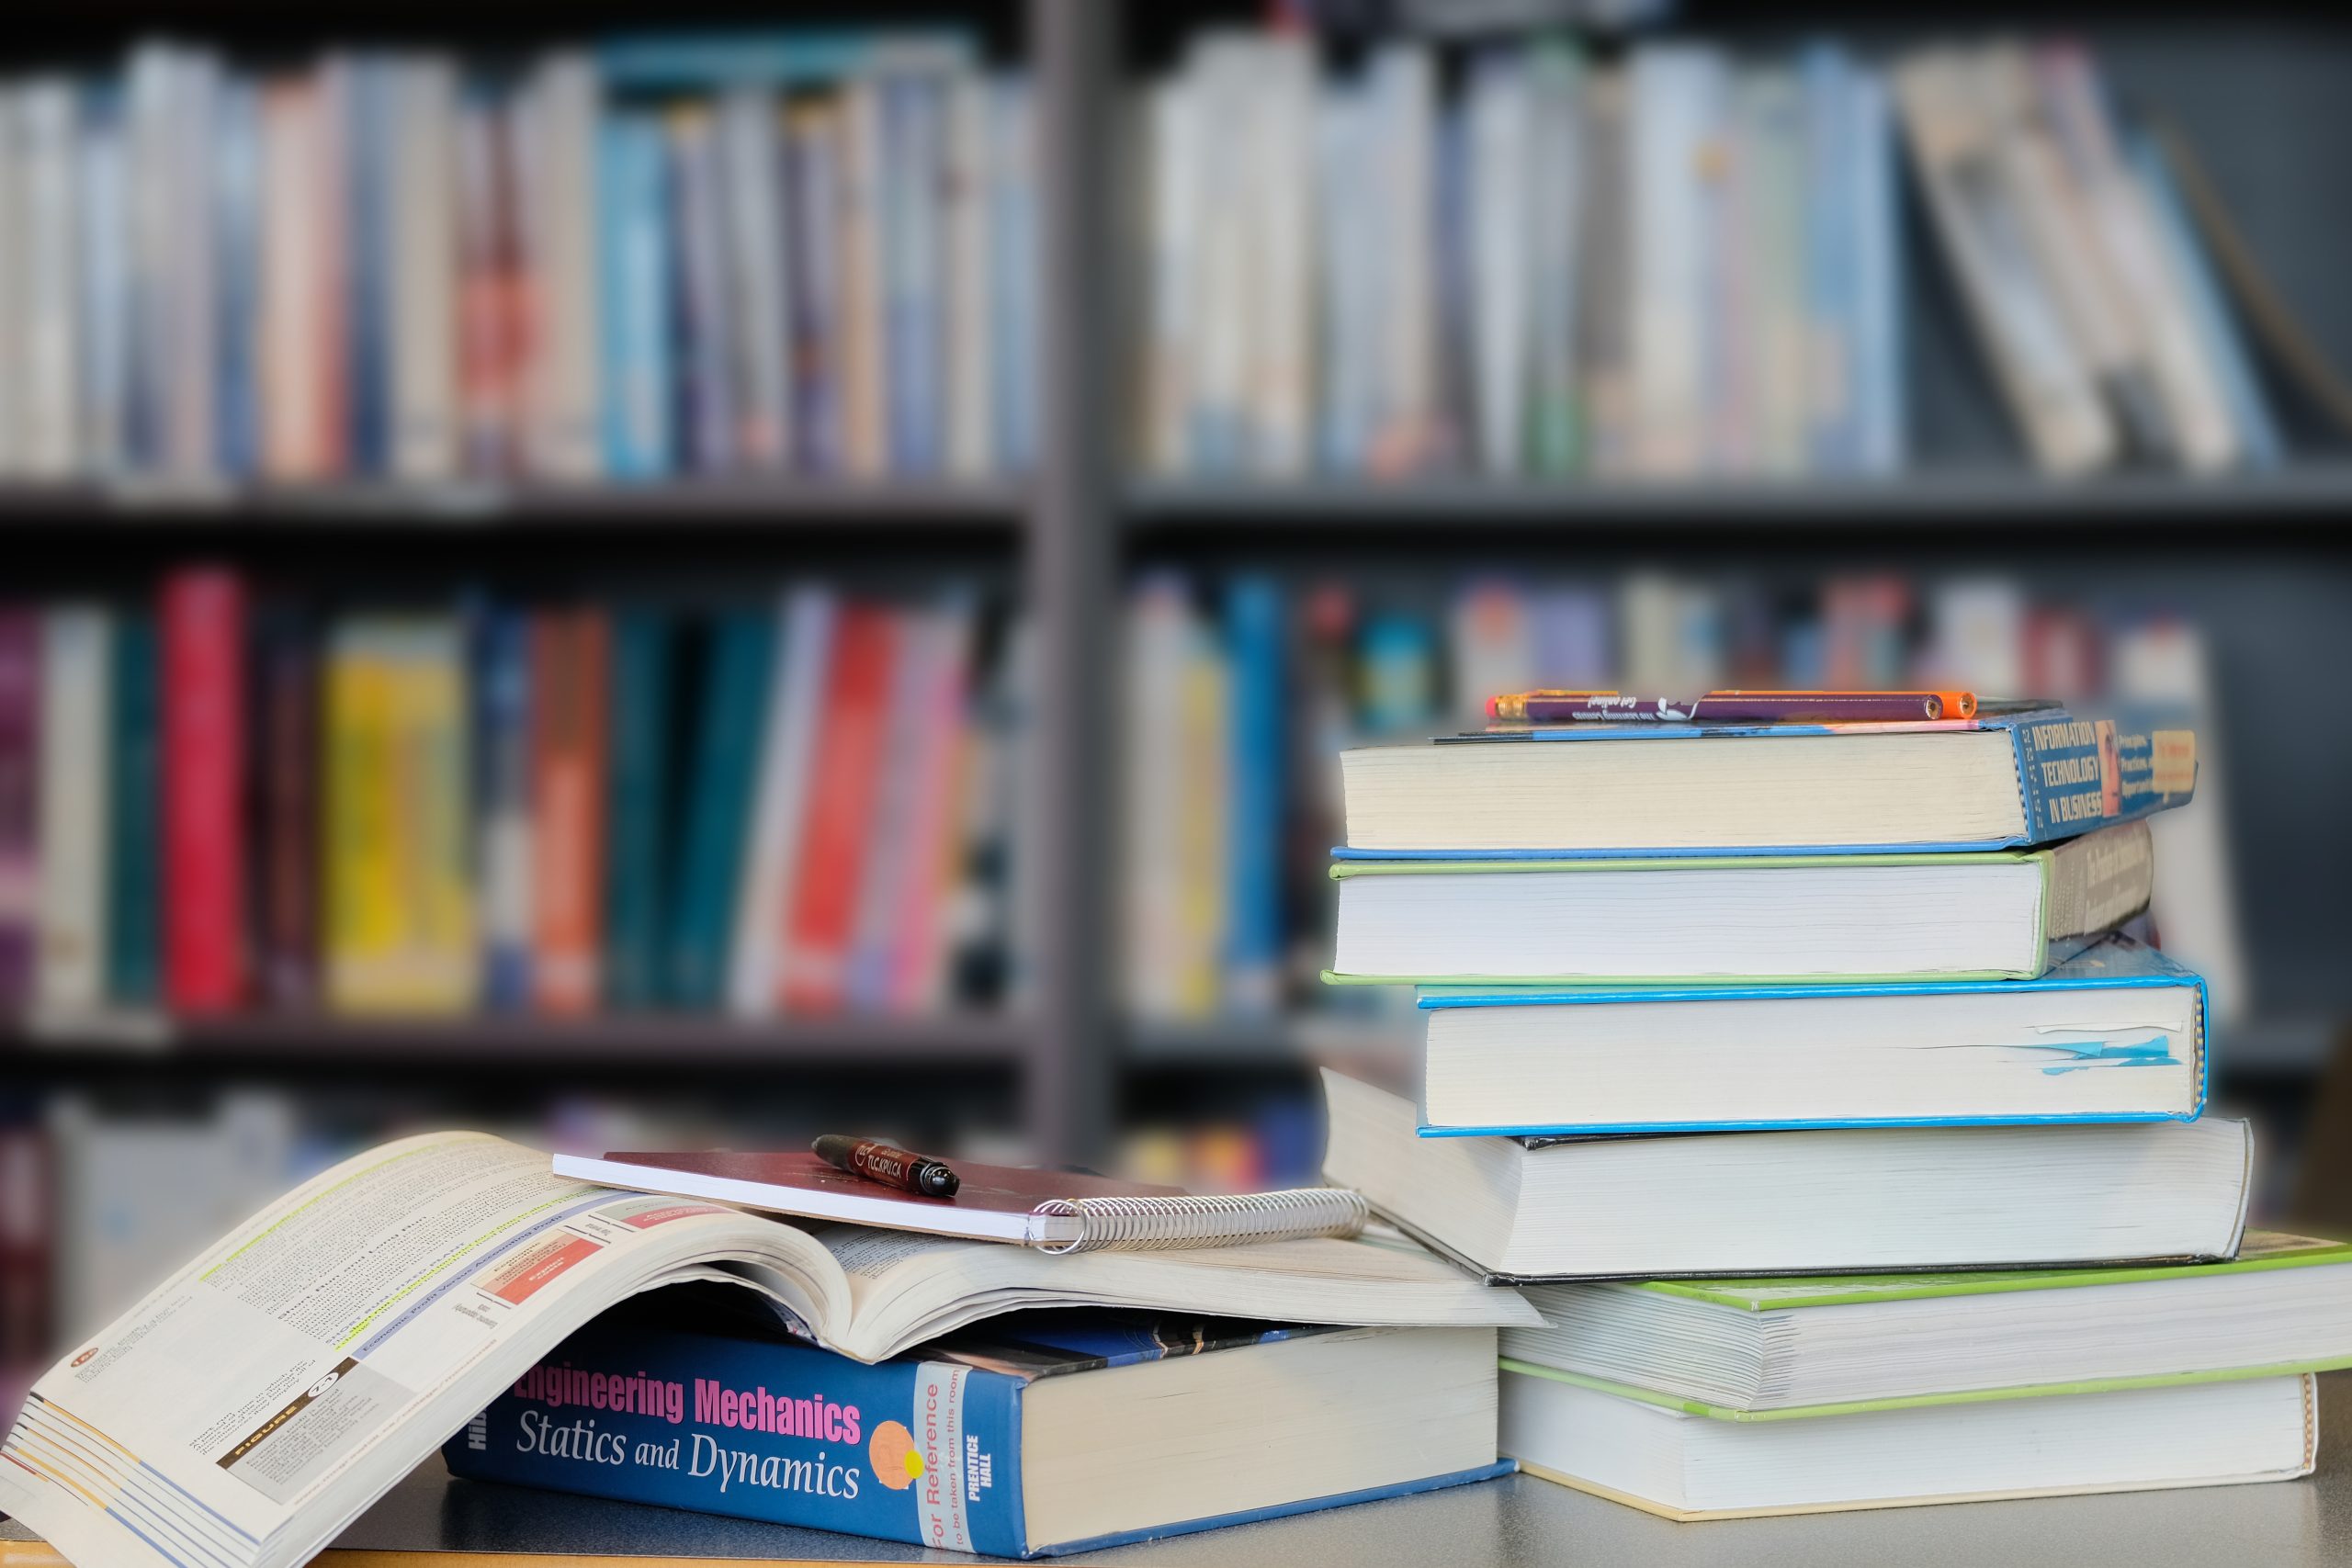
(919, 1174)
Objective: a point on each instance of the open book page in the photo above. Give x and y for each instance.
(908, 1288)
(263, 1395)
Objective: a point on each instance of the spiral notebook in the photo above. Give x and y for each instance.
(1053, 1211)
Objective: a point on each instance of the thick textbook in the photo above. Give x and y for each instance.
(2008, 777)
(2115, 1033)
(1776, 1349)
(1067, 1434)
(1686, 1465)
(1821, 1201)
(1996, 915)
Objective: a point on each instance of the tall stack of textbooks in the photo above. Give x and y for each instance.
(1678, 264)
(236, 800)
(1857, 1001)
(670, 257)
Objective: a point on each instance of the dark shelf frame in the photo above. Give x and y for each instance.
(749, 502)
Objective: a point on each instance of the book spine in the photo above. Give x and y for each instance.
(1253, 959)
(367, 307)
(965, 177)
(203, 622)
(2077, 773)
(865, 293)
(105, 288)
(435, 735)
(568, 688)
(913, 258)
(814, 167)
(924, 1452)
(715, 837)
(929, 871)
(635, 291)
(20, 729)
(53, 262)
(236, 196)
(560, 170)
(840, 818)
(759, 347)
(285, 824)
(637, 790)
(502, 757)
(707, 437)
(890, 828)
(804, 649)
(1876, 209)
(366, 913)
(1012, 219)
(134, 794)
(69, 968)
(424, 346)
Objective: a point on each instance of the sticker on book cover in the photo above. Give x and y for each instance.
(2172, 753)
(932, 1461)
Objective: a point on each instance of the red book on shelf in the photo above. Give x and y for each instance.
(834, 828)
(203, 620)
(567, 683)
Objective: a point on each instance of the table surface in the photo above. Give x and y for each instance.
(1513, 1522)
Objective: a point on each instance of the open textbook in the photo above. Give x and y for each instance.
(273, 1388)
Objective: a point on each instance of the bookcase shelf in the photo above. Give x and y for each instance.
(750, 502)
(2311, 497)
(658, 1043)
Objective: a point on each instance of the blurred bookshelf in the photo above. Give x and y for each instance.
(1072, 532)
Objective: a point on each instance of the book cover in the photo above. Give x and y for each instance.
(637, 792)
(203, 630)
(722, 770)
(2118, 963)
(134, 813)
(923, 1450)
(20, 728)
(836, 831)
(569, 660)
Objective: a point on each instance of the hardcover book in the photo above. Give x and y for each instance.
(2115, 1033)
(1025, 1441)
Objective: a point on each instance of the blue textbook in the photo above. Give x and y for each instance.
(2116, 1033)
(2016, 776)
(1056, 1433)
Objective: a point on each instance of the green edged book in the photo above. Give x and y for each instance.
(1999, 914)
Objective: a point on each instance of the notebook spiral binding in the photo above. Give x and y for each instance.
(1160, 1224)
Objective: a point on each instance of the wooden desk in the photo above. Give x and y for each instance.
(431, 1521)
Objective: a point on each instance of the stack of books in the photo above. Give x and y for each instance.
(1861, 1001)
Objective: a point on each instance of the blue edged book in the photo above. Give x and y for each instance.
(2015, 776)
(1063, 1432)
(2116, 1033)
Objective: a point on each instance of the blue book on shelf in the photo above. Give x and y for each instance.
(134, 815)
(1255, 629)
(634, 284)
(237, 211)
(367, 308)
(1832, 425)
(2068, 775)
(638, 735)
(913, 264)
(705, 61)
(2117, 1032)
(502, 696)
(2217, 329)
(714, 841)
(930, 1449)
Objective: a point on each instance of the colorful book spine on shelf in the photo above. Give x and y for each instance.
(203, 636)
(134, 812)
(504, 766)
(633, 263)
(1254, 940)
(20, 693)
(569, 658)
(638, 798)
(835, 830)
(722, 770)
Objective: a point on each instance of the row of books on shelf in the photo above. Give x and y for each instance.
(1241, 692)
(1684, 264)
(691, 256)
(238, 799)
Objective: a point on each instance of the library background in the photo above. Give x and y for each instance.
(807, 569)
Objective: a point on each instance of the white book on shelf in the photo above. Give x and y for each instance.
(968, 185)
(1346, 276)
(1881, 444)
(50, 393)
(1777, 318)
(1403, 137)
(15, 241)
(559, 169)
(796, 689)
(707, 439)
(1217, 420)
(1504, 197)
(751, 205)
(1014, 341)
(424, 337)
(1604, 287)
(171, 98)
(1170, 133)
(1279, 182)
(1553, 439)
(103, 303)
(298, 265)
(1158, 623)
(76, 680)
(1675, 107)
